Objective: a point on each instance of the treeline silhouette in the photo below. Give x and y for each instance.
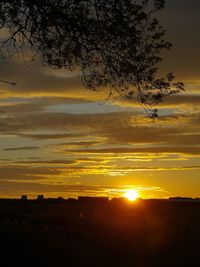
(92, 232)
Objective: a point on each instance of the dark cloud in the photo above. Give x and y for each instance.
(49, 136)
(46, 162)
(178, 133)
(78, 144)
(33, 187)
(17, 172)
(21, 148)
(154, 149)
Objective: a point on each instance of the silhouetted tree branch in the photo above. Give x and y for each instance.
(10, 83)
(112, 43)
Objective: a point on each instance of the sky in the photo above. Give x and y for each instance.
(60, 139)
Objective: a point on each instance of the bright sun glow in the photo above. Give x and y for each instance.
(131, 195)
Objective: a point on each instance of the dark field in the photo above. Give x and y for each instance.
(99, 233)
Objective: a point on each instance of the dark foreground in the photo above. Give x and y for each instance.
(99, 233)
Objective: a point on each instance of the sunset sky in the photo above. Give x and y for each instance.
(60, 139)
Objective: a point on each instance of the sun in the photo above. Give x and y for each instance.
(131, 195)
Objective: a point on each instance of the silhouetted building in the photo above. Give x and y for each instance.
(180, 198)
(24, 197)
(60, 198)
(40, 197)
